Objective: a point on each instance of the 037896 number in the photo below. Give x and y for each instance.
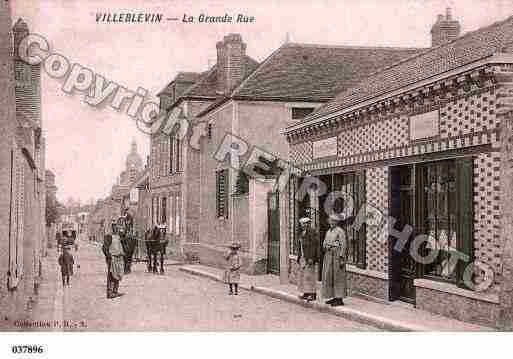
(27, 349)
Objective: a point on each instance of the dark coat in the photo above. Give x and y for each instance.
(311, 245)
(66, 262)
(107, 241)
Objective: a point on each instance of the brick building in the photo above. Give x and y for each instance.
(22, 170)
(422, 143)
(294, 80)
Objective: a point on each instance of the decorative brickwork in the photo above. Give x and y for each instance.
(469, 115)
(487, 239)
(301, 153)
(377, 238)
(374, 137)
(505, 112)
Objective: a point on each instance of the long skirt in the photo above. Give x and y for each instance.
(334, 278)
(307, 282)
(117, 267)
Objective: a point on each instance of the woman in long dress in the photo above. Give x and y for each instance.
(334, 278)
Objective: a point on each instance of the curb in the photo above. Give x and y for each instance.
(345, 312)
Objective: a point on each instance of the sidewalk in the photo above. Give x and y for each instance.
(391, 316)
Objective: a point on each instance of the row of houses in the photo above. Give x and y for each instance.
(420, 135)
(22, 173)
(124, 197)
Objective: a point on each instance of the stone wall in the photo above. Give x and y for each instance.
(458, 307)
(368, 285)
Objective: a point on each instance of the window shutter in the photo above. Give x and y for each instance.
(178, 156)
(226, 192)
(222, 193)
(465, 191)
(171, 153)
(218, 193)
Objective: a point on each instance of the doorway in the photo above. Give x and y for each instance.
(273, 223)
(402, 265)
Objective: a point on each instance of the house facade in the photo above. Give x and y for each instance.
(22, 170)
(174, 152)
(236, 199)
(417, 158)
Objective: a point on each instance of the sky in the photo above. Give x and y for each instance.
(86, 147)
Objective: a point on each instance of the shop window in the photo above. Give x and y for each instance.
(445, 206)
(222, 193)
(352, 184)
(297, 208)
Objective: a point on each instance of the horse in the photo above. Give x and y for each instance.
(128, 241)
(156, 244)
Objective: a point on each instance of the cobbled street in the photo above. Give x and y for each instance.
(175, 301)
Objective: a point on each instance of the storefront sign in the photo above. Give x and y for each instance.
(325, 148)
(424, 125)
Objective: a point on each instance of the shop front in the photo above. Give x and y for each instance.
(420, 171)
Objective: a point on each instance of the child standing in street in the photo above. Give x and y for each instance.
(66, 262)
(232, 272)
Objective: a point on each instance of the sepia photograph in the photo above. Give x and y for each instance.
(251, 167)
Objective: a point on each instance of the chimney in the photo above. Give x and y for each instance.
(445, 29)
(231, 53)
(20, 31)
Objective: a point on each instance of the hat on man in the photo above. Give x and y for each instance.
(304, 220)
(234, 246)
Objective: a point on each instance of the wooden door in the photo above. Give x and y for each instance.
(273, 215)
(403, 267)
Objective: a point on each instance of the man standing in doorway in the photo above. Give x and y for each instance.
(308, 257)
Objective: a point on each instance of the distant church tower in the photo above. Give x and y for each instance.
(134, 163)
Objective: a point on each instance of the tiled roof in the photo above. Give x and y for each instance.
(461, 51)
(218, 102)
(316, 72)
(191, 77)
(206, 86)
